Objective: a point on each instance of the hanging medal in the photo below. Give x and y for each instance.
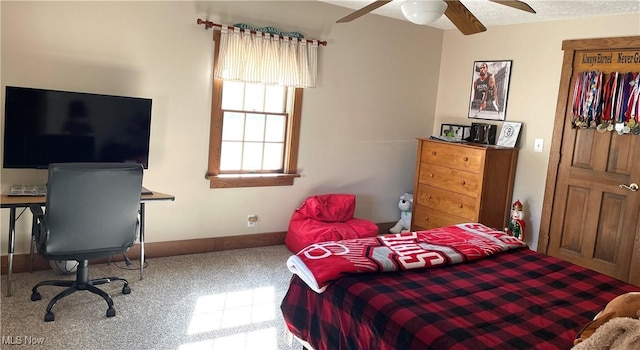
(587, 101)
(632, 106)
(619, 109)
(575, 103)
(597, 97)
(610, 111)
(605, 118)
(579, 97)
(628, 87)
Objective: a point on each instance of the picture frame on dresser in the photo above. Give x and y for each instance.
(489, 90)
(455, 132)
(509, 134)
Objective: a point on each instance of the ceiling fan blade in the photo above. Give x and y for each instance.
(462, 18)
(520, 5)
(363, 11)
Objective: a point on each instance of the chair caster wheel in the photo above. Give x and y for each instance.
(49, 316)
(35, 296)
(126, 290)
(111, 312)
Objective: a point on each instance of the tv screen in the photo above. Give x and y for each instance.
(48, 126)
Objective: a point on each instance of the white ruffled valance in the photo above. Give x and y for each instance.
(267, 59)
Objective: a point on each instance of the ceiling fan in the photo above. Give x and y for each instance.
(427, 11)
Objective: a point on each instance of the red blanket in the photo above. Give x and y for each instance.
(320, 263)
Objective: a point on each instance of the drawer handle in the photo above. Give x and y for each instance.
(429, 196)
(459, 205)
(431, 174)
(466, 159)
(462, 182)
(433, 153)
(426, 218)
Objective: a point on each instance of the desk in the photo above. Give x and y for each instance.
(13, 203)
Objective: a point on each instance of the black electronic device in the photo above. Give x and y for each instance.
(48, 126)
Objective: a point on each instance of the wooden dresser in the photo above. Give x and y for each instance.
(462, 182)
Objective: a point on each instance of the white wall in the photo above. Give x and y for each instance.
(537, 62)
(377, 92)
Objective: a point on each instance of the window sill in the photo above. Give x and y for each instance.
(250, 180)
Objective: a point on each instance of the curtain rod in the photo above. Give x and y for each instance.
(208, 24)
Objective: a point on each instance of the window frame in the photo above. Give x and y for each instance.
(290, 163)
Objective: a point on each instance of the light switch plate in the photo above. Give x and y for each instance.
(538, 145)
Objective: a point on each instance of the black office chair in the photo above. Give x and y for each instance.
(91, 212)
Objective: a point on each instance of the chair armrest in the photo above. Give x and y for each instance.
(39, 230)
(36, 210)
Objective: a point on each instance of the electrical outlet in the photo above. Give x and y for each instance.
(251, 220)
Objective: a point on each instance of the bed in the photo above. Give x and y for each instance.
(515, 299)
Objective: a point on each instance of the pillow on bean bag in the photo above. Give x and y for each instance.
(327, 217)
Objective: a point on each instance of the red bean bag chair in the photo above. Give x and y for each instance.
(327, 217)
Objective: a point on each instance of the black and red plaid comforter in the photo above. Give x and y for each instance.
(518, 299)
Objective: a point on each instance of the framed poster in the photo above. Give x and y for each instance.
(489, 89)
(509, 134)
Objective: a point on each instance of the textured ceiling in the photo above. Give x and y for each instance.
(492, 14)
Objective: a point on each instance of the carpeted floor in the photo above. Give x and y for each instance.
(221, 300)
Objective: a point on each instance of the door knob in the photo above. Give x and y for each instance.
(632, 187)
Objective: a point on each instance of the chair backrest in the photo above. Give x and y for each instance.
(91, 210)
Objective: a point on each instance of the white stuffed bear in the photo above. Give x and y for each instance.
(404, 224)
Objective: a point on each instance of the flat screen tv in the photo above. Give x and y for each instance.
(48, 126)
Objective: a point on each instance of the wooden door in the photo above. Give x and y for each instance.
(593, 219)
(587, 218)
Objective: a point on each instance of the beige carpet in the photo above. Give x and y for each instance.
(221, 300)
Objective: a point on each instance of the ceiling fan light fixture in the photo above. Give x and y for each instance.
(423, 12)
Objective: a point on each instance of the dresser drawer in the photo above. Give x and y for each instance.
(453, 156)
(447, 201)
(455, 180)
(415, 228)
(427, 218)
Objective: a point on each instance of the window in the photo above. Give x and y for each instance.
(254, 120)
(254, 133)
